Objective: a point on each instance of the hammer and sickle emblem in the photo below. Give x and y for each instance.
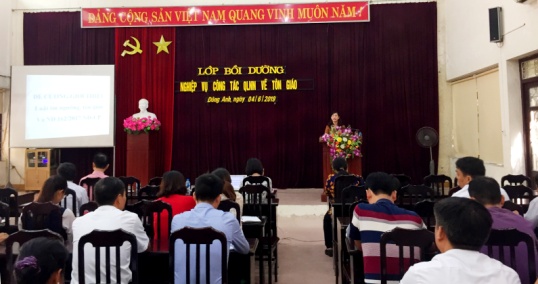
(134, 48)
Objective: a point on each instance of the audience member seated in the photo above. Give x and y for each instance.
(228, 191)
(255, 168)
(172, 191)
(53, 191)
(111, 197)
(207, 193)
(68, 171)
(371, 220)
(41, 260)
(532, 211)
(486, 191)
(339, 166)
(100, 165)
(468, 168)
(462, 228)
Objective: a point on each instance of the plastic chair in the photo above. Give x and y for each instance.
(200, 238)
(437, 183)
(107, 239)
(507, 240)
(405, 238)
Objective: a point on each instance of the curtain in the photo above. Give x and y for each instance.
(380, 76)
(147, 75)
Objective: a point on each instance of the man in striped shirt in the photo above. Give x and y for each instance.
(371, 220)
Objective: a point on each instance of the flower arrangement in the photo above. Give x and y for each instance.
(343, 142)
(135, 126)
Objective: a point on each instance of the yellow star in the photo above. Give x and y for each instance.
(162, 45)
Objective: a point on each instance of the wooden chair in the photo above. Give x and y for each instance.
(518, 193)
(424, 209)
(411, 194)
(155, 181)
(342, 182)
(151, 212)
(40, 216)
(404, 179)
(69, 193)
(404, 238)
(253, 196)
(506, 241)
(453, 190)
(226, 205)
(201, 238)
(88, 207)
(10, 197)
(437, 183)
(89, 183)
(5, 216)
(515, 180)
(351, 194)
(148, 192)
(256, 180)
(132, 186)
(107, 239)
(21, 237)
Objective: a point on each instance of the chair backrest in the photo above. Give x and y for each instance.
(403, 179)
(519, 192)
(148, 192)
(411, 194)
(342, 182)
(514, 207)
(198, 237)
(21, 237)
(89, 183)
(40, 216)
(424, 209)
(437, 183)
(88, 207)
(5, 216)
(107, 239)
(255, 180)
(10, 197)
(510, 239)
(516, 180)
(132, 186)
(155, 181)
(257, 202)
(351, 194)
(149, 212)
(69, 193)
(226, 205)
(404, 238)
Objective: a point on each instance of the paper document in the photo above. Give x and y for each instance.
(250, 219)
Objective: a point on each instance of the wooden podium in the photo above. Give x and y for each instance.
(141, 156)
(354, 166)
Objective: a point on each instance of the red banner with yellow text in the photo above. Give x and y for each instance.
(226, 15)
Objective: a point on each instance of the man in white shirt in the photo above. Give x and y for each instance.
(110, 195)
(462, 228)
(468, 168)
(68, 171)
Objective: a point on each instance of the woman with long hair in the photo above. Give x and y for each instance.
(172, 191)
(228, 191)
(53, 191)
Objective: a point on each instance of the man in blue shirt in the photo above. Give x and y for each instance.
(208, 189)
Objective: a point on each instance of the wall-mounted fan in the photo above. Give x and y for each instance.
(427, 137)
